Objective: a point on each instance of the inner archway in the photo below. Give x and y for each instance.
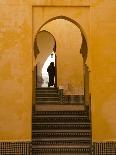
(51, 58)
(46, 45)
(83, 48)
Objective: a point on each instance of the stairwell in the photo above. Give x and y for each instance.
(59, 132)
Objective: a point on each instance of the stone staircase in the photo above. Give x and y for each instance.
(60, 132)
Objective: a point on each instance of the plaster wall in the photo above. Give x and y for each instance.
(15, 72)
(103, 72)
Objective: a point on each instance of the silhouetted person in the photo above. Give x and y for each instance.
(51, 73)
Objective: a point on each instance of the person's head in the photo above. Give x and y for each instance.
(52, 63)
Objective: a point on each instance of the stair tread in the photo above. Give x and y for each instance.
(62, 112)
(47, 97)
(62, 123)
(62, 138)
(60, 153)
(51, 92)
(46, 101)
(65, 146)
(60, 116)
(60, 131)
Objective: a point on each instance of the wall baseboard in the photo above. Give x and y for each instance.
(15, 148)
(104, 148)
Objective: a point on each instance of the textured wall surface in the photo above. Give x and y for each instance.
(15, 72)
(103, 63)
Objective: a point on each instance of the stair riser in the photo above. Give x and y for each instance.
(47, 88)
(60, 127)
(38, 153)
(47, 99)
(61, 135)
(61, 142)
(63, 113)
(46, 91)
(59, 150)
(47, 102)
(39, 120)
(47, 95)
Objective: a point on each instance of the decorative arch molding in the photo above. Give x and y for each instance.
(83, 51)
(84, 46)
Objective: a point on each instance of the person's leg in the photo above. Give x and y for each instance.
(50, 80)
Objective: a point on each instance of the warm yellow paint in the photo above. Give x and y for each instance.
(15, 72)
(103, 74)
(47, 2)
(99, 24)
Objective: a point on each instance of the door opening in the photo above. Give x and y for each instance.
(45, 75)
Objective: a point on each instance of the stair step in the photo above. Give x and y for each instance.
(61, 138)
(40, 88)
(87, 146)
(48, 139)
(60, 116)
(65, 153)
(62, 142)
(60, 113)
(61, 133)
(47, 90)
(38, 126)
(60, 119)
(60, 123)
(62, 149)
(47, 94)
(47, 102)
(49, 99)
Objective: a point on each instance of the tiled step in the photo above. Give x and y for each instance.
(62, 149)
(70, 126)
(48, 90)
(54, 119)
(52, 153)
(61, 133)
(47, 98)
(47, 102)
(62, 113)
(46, 94)
(62, 141)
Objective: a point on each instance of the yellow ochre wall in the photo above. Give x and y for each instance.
(103, 69)
(15, 72)
(97, 17)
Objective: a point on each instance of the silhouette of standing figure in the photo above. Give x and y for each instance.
(51, 73)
